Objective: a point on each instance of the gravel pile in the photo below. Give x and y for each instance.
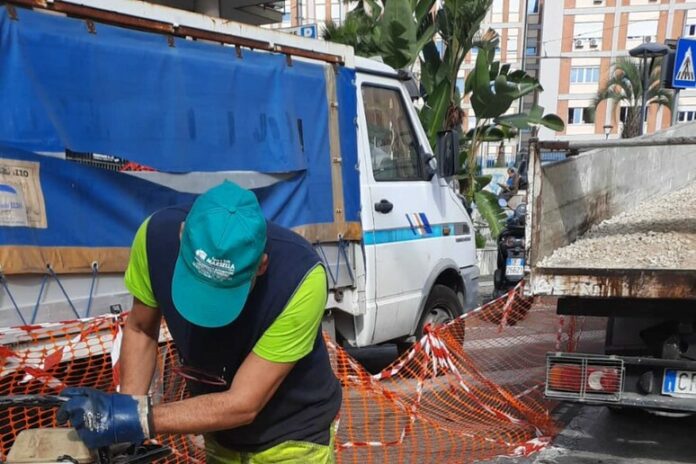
(660, 233)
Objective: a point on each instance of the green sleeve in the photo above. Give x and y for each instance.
(137, 278)
(291, 336)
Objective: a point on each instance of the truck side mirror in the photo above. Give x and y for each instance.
(447, 149)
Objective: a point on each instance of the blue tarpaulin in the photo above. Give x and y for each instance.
(180, 108)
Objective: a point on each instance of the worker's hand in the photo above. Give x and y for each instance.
(102, 419)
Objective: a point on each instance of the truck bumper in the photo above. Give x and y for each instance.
(624, 381)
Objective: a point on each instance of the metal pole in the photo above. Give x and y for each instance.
(644, 106)
(675, 107)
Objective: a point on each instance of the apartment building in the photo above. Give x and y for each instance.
(569, 45)
(313, 12)
(580, 41)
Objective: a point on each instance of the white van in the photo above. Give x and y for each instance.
(415, 263)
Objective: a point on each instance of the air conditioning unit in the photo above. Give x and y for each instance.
(594, 43)
(578, 43)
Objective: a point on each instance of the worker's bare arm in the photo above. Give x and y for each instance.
(139, 348)
(253, 386)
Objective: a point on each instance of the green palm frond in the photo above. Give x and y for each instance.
(625, 89)
(490, 211)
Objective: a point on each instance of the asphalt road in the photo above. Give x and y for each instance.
(594, 435)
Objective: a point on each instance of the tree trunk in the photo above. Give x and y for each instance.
(632, 124)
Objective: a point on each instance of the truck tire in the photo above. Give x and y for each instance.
(497, 279)
(442, 306)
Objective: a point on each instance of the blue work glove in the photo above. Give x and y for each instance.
(103, 419)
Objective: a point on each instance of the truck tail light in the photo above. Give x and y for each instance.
(584, 377)
(596, 379)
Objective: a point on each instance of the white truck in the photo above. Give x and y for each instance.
(408, 260)
(609, 237)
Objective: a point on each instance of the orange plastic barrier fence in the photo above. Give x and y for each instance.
(467, 391)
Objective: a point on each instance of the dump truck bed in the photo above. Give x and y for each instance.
(615, 221)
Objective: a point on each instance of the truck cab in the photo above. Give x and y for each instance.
(417, 234)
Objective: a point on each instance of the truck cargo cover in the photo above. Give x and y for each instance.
(102, 125)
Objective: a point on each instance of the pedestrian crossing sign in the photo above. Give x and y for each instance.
(684, 74)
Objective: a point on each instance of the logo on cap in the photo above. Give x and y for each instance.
(213, 268)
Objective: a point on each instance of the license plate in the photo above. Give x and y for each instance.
(514, 267)
(679, 383)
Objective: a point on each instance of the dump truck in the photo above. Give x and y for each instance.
(612, 233)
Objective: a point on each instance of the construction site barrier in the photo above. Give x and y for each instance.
(466, 391)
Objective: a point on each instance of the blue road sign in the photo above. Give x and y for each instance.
(309, 31)
(684, 76)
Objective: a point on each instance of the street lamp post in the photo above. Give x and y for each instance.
(645, 51)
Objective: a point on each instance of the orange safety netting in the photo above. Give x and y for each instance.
(467, 391)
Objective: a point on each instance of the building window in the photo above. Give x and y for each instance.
(690, 30)
(512, 44)
(686, 116)
(623, 114)
(497, 6)
(440, 45)
(460, 86)
(336, 12)
(592, 30)
(531, 51)
(533, 7)
(584, 75)
(580, 116)
(320, 9)
(645, 31)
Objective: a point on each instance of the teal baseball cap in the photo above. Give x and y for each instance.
(222, 244)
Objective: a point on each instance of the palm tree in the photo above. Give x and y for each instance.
(396, 30)
(625, 89)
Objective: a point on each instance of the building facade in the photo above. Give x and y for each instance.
(518, 24)
(582, 39)
(313, 12)
(569, 45)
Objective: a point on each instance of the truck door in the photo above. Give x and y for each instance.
(402, 204)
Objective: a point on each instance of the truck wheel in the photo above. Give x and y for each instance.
(498, 279)
(441, 307)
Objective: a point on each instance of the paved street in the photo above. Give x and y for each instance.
(597, 435)
(594, 435)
